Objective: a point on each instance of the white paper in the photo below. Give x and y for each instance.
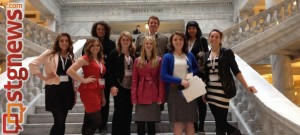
(196, 89)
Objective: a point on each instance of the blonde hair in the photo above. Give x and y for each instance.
(119, 46)
(154, 56)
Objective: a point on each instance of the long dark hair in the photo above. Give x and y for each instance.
(56, 49)
(185, 43)
(105, 25)
(193, 24)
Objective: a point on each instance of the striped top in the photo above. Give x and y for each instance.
(215, 92)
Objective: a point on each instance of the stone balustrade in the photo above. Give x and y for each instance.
(267, 112)
(33, 31)
(33, 87)
(260, 22)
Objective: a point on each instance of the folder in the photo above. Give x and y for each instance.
(196, 89)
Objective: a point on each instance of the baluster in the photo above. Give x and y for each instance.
(277, 129)
(258, 120)
(267, 127)
(286, 11)
(27, 90)
(36, 82)
(293, 7)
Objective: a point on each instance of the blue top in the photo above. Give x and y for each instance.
(167, 68)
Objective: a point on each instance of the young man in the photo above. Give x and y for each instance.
(161, 40)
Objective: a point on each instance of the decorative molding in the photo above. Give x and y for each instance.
(142, 5)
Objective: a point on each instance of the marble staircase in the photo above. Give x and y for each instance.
(41, 121)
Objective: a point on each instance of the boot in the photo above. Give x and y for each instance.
(236, 132)
(220, 132)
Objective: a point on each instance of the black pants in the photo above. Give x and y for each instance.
(123, 112)
(202, 109)
(220, 115)
(141, 128)
(91, 122)
(59, 115)
(105, 110)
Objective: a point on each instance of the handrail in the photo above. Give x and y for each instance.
(266, 112)
(261, 22)
(32, 31)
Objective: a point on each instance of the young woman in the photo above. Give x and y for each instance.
(59, 94)
(121, 64)
(147, 89)
(92, 84)
(219, 62)
(101, 30)
(198, 46)
(177, 66)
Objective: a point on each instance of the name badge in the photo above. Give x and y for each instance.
(101, 81)
(64, 78)
(213, 77)
(128, 72)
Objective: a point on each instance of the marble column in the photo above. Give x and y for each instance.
(281, 68)
(282, 75)
(50, 22)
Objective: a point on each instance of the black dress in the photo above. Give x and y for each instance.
(62, 95)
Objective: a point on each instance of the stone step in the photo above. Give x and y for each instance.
(78, 108)
(78, 117)
(75, 128)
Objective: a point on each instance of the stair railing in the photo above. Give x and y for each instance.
(32, 31)
(261, 22)
(268, 112)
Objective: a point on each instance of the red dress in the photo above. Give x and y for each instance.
(91, 93)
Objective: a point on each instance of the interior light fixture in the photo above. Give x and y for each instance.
(146, 26)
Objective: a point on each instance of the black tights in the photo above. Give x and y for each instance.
(59, 115)
(91, 122)
(220, 115)
(141, 127)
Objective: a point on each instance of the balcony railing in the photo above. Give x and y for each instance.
(261, 22)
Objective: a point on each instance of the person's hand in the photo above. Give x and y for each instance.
(203, 98)
(185, 83)
(252, 89)
(159, 103)
(103, 101)
(89, 79)
(114, 91)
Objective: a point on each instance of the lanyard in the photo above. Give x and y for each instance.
(213, 62)
(63, 63)
(190, 48)
(101, 67)
(128, 59)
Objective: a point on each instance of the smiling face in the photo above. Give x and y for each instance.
(192, 31)
(125, 42)
(95, 48)
(215, 39)
(153, 25)
(64, 43)
(100, 31)
(177, 42)
(148, 45)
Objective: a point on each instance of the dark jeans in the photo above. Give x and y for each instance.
(141, 128)
(123, 112)
(202, 109)
(105, 110)
(91, 122)
(220, 115)
(59, 115)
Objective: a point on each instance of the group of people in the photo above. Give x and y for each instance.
(143, 75)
